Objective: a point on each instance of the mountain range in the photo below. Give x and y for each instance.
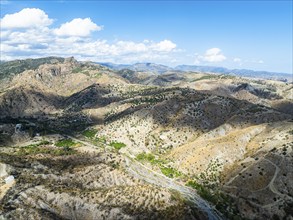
(158, 68)
(81, 140)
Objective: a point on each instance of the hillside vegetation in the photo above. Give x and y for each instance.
(80, 140)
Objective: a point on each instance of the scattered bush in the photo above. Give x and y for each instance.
(41, 148)
(223, 202)
(90, 133)
(117, 145)
(170, 172)
(65, 142)
(146, 157)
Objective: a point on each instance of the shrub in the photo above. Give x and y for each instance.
(90, 133)
(223, 202)
(65, 142)
(44, 142)
(36, 149)
(117, 145)
(150, 158)
(170, 172)
(145, 157)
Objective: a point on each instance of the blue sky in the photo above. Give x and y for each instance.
(235, 34)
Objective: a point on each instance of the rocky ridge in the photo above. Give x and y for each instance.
(229, 138)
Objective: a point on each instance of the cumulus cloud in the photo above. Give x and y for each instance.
(238, 61)
(214, 55)
(26, 18)
(77, 27)
(121, 51)
(73, 38)
(130, 47)
(164, 46)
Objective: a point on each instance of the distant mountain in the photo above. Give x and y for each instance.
(160, 69)
(151, 67)
(115, 66)
(83, 141)
(140, 67)
(238, 72)
(212, 69)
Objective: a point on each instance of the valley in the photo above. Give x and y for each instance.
(81, 140)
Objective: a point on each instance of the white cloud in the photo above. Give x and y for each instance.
(26, 18)
(47, 43)
(33, 41)
(164, 46)
(120, 50)
(214, 55)
(238, 61)
(125, 47)
(77, 27)
(130, 47)
(4, 34)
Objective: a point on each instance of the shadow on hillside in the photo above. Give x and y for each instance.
(209, 113)
(205, 112)
(285, 107)
(46, 113)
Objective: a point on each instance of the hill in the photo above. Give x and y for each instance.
(160, 69)
(82, 140)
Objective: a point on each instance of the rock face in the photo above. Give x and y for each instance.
(228, 138)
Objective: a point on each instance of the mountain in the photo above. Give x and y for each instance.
(18, 66)
(140, 67)
(114, 66)
(80, 140)
(160, 69)
(238, 72)
(212, 69)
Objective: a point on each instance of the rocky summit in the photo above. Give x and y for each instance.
(81, 140)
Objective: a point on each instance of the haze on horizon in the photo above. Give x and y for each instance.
(241, 35)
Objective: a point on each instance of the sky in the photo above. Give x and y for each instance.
(233, 34)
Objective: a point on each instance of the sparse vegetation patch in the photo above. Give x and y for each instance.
(66, 142)
(117, 145)
(89, 133)
(43, 148)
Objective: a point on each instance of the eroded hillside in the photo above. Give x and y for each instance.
(97, 143)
